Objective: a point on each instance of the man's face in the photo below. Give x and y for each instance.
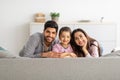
(50, 34)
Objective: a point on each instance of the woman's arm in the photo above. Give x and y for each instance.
(94, 52)
(94, 49)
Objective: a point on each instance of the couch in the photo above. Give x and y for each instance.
(103, 68)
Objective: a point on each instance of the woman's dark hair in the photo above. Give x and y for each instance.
(77, 49)
(64, 29)
(51, 24)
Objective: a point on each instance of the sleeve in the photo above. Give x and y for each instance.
(55, 48)
(29, 48)
(94, 50)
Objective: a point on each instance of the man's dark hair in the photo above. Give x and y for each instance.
(51, 24)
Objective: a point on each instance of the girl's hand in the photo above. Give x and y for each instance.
(73, 55)
(68, 55)
(63, 55)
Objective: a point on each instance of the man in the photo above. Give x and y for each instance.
(40, 44)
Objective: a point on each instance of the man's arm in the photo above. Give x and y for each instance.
(29, 48)
(50, 54)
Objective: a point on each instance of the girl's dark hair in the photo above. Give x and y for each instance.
(51, 24)
(64, 29)
(77, 49)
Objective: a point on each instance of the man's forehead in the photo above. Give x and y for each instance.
(50, 29)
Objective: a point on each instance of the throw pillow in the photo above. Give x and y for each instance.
(6, 54)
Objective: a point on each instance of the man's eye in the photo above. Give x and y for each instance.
(53, 33)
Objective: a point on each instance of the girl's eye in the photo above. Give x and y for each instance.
(68, 36)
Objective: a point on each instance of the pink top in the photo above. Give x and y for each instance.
(61, 49)
(93, 50)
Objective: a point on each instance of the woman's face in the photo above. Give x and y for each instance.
(80, 38)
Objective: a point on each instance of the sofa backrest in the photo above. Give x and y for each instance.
(60, 69)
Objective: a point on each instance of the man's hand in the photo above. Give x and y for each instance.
(51, 54)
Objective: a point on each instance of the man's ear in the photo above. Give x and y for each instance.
(43, 31)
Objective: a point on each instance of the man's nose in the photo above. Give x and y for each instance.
(50, 34)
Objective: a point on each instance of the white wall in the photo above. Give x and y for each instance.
(15, 16)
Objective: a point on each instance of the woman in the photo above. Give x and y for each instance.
(83, 45)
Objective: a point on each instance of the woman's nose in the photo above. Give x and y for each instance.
(79, 39)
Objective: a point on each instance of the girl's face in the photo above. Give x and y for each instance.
(80, 38)
(65, 37)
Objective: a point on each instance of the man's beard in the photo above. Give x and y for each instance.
(48, 39)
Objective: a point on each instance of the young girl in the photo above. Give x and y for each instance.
(83, 45)
(64, 46)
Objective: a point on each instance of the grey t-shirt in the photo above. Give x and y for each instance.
(35, 46)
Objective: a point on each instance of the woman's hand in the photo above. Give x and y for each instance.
(84, 48)
(85, 45)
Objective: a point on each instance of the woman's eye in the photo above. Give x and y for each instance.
(76, 38)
